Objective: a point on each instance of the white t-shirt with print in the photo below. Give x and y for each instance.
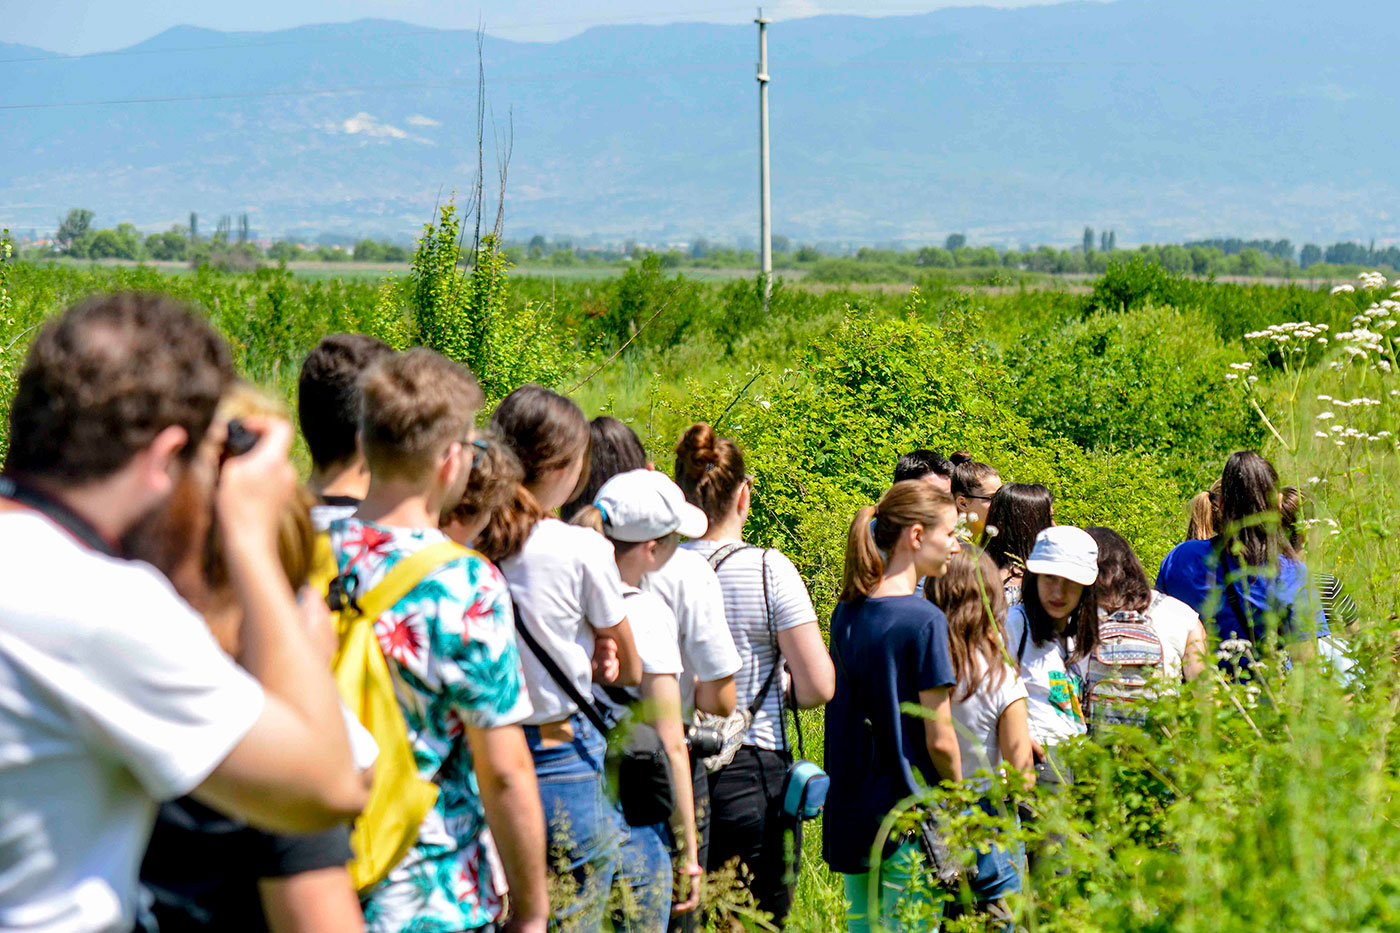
(565, 582)
(741, 579)
(978, 719)
(688, 585)
(113, 697)
(654, 631)
(1052, 690)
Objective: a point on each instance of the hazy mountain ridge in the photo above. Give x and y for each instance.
(1162, 119)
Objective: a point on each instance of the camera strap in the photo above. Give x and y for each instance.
(26, 495)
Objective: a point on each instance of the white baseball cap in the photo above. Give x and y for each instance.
(643, 505)
(1065, 551)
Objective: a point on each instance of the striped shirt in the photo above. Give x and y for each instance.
(741, 578)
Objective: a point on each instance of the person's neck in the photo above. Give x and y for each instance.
(104, 505)
(901, 577)
(630, 571)
(729, 528)
(399, 504)
(345, 480)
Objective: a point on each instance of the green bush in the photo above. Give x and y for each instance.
(823, 437)
(1151, 380)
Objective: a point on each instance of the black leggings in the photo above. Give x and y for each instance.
(747, 822)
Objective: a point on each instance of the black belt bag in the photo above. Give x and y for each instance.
(645, 785)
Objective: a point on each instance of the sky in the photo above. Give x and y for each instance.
(77, 27)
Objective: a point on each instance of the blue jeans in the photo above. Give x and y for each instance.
(580, 822)
(644, 878)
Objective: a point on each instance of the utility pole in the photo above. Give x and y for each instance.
(765, 223)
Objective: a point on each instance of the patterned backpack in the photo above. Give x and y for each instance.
(1121, 670)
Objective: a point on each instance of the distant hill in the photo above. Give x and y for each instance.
(1162, 119)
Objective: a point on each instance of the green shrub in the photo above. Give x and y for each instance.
(822, 438)
(1149, 380)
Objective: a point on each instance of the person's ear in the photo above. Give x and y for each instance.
(157, 461)
(450, 467)
(916, 537)
(745, 498)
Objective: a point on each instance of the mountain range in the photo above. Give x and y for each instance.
(1161, 119)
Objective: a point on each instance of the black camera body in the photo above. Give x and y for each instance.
(703, 741)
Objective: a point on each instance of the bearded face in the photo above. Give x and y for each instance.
(176, 537)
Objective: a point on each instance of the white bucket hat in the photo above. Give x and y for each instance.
(643, 505)
(1065, 551)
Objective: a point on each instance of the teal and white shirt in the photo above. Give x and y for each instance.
(450, 644)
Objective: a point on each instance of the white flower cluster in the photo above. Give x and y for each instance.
(1294, 332)
(1372, 280)
(1340, 433)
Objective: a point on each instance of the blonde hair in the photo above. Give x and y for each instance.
(876, 528)
(1205, 511)
(971, 596)
(296, 535)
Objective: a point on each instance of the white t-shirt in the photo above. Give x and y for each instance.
(565, 582)
(113, 697)
(741, 578)
(688, 585)
(978, 719)
(654, 631)
(1052, 689)
(1173, 621)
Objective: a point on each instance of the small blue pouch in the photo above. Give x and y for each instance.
(804, 790)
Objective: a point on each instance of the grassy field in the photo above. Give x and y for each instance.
(1264, 806)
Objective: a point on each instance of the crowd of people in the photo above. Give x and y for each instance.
(511, 676)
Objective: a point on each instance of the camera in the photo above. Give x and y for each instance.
(239, 440)
(703, 741)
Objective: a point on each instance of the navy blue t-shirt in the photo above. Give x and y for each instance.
(1194, 574)
(886, 650)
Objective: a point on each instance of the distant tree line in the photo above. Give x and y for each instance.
(230, 245)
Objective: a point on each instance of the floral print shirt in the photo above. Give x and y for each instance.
(450, 644)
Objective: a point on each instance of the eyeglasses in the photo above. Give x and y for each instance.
(984, 498)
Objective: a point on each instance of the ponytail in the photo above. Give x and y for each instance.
(590, 517)
(510, 526)
(876, 529)
(1201, 526)
(864, 563)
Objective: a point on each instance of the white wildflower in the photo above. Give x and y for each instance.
(1324, 415)
(1339, 289)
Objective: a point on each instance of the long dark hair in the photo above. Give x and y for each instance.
(544, 429)
(614, 448)
(1019, 512)
(971, 596)
(1083, 623)
(1122, 584)
(1249, 514)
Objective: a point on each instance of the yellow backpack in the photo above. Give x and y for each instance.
(398, 799)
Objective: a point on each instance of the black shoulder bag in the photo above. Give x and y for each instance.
(645, 786)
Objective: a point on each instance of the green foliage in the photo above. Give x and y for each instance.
(822, 438)
(1133, 284)
(1149, 380)
(468, 316)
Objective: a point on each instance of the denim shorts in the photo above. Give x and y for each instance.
(581, 825)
